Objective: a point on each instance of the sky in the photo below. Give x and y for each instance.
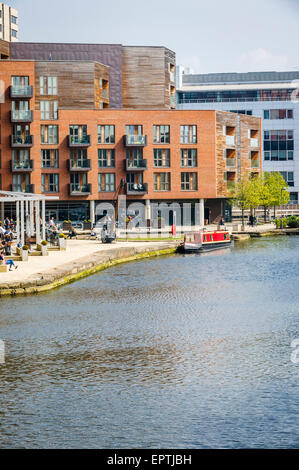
(207, 35)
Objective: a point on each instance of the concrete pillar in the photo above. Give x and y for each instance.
(148, 214)
(18, 221)
(2, 211)
(22, 223)
(202, 212)
(31, 217)
(92, 213)
(37, 222)
(44, 219)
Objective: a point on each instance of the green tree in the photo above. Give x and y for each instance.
(264, 194)
(276, 183)
(240, 196)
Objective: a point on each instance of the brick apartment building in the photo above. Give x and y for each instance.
(74, 126)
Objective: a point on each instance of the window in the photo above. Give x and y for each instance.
(14, 33)
(288, 176)
(49, 134)
(21, 159)
(106, 158)
(106, 134)
(161, 181)
(134, 157)
(161, 157)
(188, 181)
(188, 158)
(48, 110)
(136, 130)
(48, 85)
(49, 158)
(106, 182)
(20, 81)
(242, 111)
(78, 134)
(278, 114)
(279, 145)
(161, 134)
(188, 135)
(50, 183)
(229, 96)
(293, 198)
(14, 19)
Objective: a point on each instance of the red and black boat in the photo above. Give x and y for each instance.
(205, 241)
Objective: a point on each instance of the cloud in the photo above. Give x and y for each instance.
(259, 59)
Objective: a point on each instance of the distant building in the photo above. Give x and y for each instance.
(272, 96)
(8, 23)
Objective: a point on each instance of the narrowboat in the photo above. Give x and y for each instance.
(205, 241)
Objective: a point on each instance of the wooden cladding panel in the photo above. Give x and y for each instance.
(4, 49)
(146, 77)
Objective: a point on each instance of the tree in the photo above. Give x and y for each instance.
(264, 194)
(276, 183)
(240, 196)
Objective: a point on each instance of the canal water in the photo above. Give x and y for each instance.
(176, 352)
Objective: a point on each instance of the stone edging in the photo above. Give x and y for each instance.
(81, 268)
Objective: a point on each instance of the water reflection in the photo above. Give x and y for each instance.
(183, 351)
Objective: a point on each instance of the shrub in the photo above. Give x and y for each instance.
(25, 247)
(61, 235)
(44, 243)
(293, 221)
(278, 223)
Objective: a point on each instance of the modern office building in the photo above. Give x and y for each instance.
(8, 23)
(60, 136)
(272, 96)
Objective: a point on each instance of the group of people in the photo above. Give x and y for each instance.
(6, 240)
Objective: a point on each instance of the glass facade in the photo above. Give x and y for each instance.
(286, 94)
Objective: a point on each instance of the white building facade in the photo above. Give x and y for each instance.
(273, 96)
(9, 29)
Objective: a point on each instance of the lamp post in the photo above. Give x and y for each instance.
(281, 222)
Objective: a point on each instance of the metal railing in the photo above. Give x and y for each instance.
(80, 164)
(21, 115)
(21, 91)
(230, 140)
(76, 140)
(136, 140)
(19, 188)
(232, 100)
(254, 142)
(105, 93)
(19, 140)
(80, 188)
(136, 188)
(22, 165)
(231, 162)
(255, 164)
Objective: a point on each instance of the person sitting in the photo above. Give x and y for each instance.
(9, 262)
(72, 233)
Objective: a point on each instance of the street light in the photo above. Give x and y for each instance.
(281, 222)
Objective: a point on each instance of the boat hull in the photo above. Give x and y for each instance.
(204, 248)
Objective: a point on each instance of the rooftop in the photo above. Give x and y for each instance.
(239, 78)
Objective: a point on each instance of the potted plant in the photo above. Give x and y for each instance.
(24, 254)
(62, 241)
(87, 225)
(43, 248)
(66, 225)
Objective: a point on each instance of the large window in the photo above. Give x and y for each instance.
(278, 114)
(227, 96)
(161, 181)
(106, 182)
(48, 85)
(14, 19)
(279, 145)
(188, 181)
(106, 158)
(288, 176)
(49, 158)
(161, 134)
(161, 157)
(48, 110)
(188, 158)
(50, 183)
(20, 81)
(188, 135)
(106, 134)
(14, 33)
(49, 134)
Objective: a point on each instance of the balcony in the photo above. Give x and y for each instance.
(255, 163)
(134, 189)
(230, 140)
(83, 165)
(172, 77)
(231, 162)
(79, 189)
(105, 94)
(139, 165)
(76, 141)
(135, 140)
(19, 116)
(19, 141)
(172, 101)
(21, 92)
(25, 166)
(19, 188)
(230, 185)
(254, 143)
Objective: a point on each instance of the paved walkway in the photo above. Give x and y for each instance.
(76, 249)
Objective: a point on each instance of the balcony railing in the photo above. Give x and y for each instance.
(76, 141)
(19, 188)
(79, 165)
(172, 76)
(19, 141)
(105, 94)
(255, 164)
(230, 140)
(254, 142)
(79, 189)
(21, 92)
(231, 162)
(139, 165)
(230, 185)
(136, 189)
(21, 116)
(172, 101)
(135, 140)
(25, 165)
